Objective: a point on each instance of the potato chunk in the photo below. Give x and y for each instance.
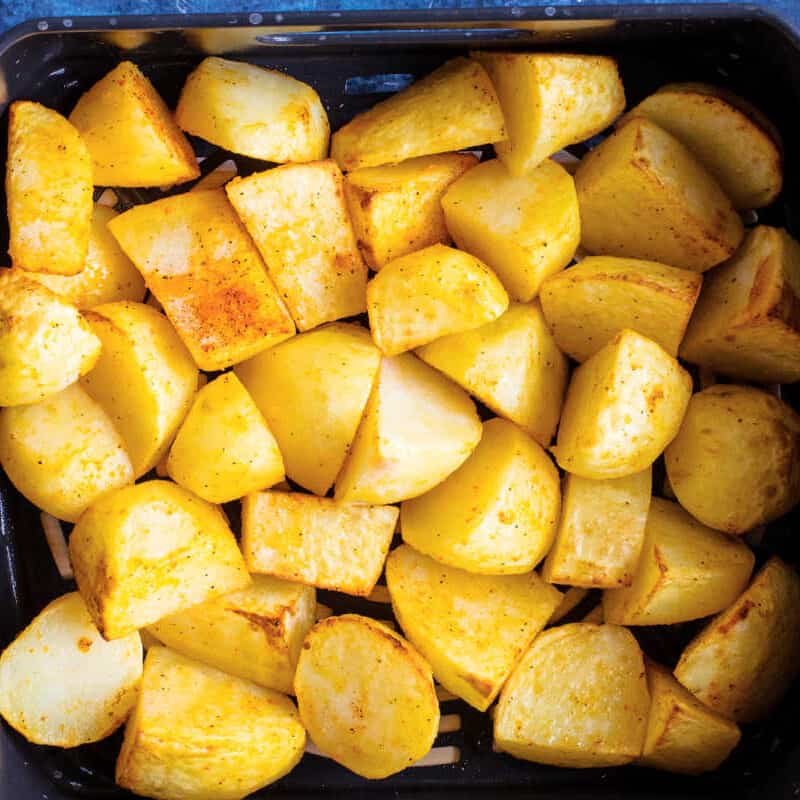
(315, 540)
(471, 628)
(624, 406)
(62, 684)
(578, 698)
(735, 463)
(197, 733)
(587, 305)
(131, 135)
(551, 100)
(149, 550)
(512, 365)
(495, 515)
(366, 696)
(453, 108)
(686, 571)
(642, 194)
(261, 113)
(745, 659)
(525, 228)
(298, 219)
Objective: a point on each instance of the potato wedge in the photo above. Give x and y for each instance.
(735, 463)
(570, 600)
(366, 696)
(257, 112)
(512, 365)
(198, 733)
(62, 684)
(123, 113)
(496, 514)
(743, 662)
(525, 228)
(587, 305)
(45, 343)
(686, 571)
(601, 531)
(596, 717)
(316, 540)
(149, 550)
(642, 194)
(396, 209)
(472, 629)
(417, 428)
(145, 378)
(297, 216)
(551, 100)
(453, 108)
(431, 293)
(623, 407)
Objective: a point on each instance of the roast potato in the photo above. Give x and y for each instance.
(570, 600)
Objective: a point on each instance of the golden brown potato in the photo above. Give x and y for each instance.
(570, 600)
(62, 684)
(130, 133)
(512, 365)
(495, 515)
(197, 733)
(743, 662)
(316, 540)
(686, 571)
(587, 305)
(623, 407)
(431, 293)
(735, 463)
(525, 228)
(453, 108)
(396, 209)
(298, 219)
(149, 550)
(595, 718)
(642, 194)
(261, 113)
(366, 696)
(551, 100)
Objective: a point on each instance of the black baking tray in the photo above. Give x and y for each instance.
(732, 47)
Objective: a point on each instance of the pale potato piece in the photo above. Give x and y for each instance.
(735, 463)
(298, 218)
(130, 133)
(254, 633)
(417, 428)
(743, 662)
(512, 365)
(686, 571)
(366, 696)
(62, 684)
(431, 293)
(642, 194)
(314, 428)
(578, 698)
(601, 531)
(496, 514)
(145, 378)
(472, 629)
(624, 405)
(551, 100)
(316, 540)
(570, 600)
(261, 113)
(453, 108)
(587, 305)
(149, 550)
(396, 209)
(197, 733)
(45, 344)
(525, 228)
